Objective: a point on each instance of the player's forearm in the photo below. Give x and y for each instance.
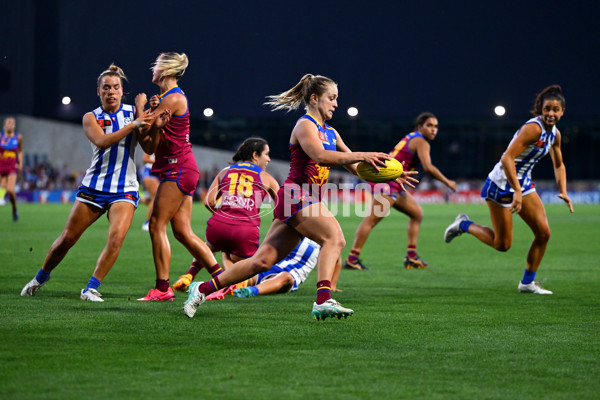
(560, 175)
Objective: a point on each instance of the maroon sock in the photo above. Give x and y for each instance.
(323, 291)
(162, 285)
(210, 286)
(193, 271)
(353, 256)
(195, 268)
(411, 251)
(215, 270)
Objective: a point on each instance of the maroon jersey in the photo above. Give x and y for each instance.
(303, 170)
(9, 147)
(175, 150)
(403, 154)
(241, 192)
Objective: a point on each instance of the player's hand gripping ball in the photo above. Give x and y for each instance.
(391, 171)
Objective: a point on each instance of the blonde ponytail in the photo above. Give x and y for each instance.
(292, 99)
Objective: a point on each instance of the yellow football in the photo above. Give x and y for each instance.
(391, 171)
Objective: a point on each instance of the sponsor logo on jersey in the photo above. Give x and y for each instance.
(323, 137)
(104, 122)
(235, 201)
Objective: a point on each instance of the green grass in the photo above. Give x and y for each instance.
(457, 330)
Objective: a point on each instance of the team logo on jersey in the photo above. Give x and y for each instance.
(127, 120)
(539, 144)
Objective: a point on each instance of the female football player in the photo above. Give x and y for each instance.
(234, 228)
(110, 184)
(178, 173)
(509, 190)
(11, 162)
(411, 150)
(299, 212)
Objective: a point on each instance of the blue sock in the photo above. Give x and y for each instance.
(93, 284)
(464, 226)
(528, 277)
(254, 290)
(42, 276)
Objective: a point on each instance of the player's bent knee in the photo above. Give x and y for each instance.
(502, 246)
(340, 242)
(287, 287)
(261, 265)
(180, 236)
(67, 240)
(544, 235)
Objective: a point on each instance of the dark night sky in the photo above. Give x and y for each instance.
(390, 58)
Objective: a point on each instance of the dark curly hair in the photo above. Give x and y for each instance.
(552, 92)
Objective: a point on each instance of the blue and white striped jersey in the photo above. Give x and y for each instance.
(299, 263)
(525, 161)
(113, 170)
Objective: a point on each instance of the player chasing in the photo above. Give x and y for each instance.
(411, 150)
(509, 188)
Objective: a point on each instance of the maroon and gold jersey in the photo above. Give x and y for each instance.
(9, 147)
(303, 170)
(175, 149)
(403, 154)
(241, 193)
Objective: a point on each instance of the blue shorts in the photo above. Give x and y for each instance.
(187, 179)
(104, 200)
(147, 173)
(503, 197)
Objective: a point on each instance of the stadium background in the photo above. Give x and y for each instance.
(392, 61)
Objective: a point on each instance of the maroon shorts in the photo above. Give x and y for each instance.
(290, 200)
(392, 189)
(8, 172)
(8, 167)
(186, 178)
(239, 240)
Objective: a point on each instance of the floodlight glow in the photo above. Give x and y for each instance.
(208, 112)
(353, 111)
(66, 100)
(500, 111)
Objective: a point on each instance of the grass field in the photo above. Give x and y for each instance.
(457, 330)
